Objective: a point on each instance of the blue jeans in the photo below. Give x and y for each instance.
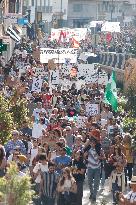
(46, 200)
(115, 188)
(102, 176)
(93, 180)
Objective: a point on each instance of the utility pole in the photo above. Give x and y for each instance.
(112, 4)
(36, 19)
(61, 16)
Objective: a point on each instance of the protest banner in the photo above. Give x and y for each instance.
(92, 109)
(111, 27)
(59, 55)
(37, 84)
(76, 33)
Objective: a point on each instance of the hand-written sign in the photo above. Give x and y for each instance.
(92, 109)
(37, 84)
(39, 71)
(58, 55)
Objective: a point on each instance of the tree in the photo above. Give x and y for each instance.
(16, 189)
(6, 120)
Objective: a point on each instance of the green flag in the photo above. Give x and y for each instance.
(110, 95)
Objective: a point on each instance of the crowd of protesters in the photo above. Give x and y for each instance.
(93, 147)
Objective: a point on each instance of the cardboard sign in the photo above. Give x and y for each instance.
(92, 109)
(37, 84)
(59, 55)
(51, 65)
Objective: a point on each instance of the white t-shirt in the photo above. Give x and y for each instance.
(131, 196)
(37, 130)
(42, 168)
(33, 153)
(37, 111)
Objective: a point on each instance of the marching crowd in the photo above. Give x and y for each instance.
(68, 144)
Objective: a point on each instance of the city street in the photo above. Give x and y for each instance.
(104, 195)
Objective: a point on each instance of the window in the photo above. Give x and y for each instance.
(77, 7)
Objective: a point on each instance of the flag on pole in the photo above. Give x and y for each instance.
(110, 95)
(76, 44)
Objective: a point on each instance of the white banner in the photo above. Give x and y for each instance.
(77, 33)
(111, 27)
(37, 84)
(59, 55)
(92, 109)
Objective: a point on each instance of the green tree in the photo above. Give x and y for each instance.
(19, 111)
(6, 120)
(17, 190)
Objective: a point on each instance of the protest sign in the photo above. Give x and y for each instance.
(103, 78)
(54, 77)
(92, 109)
(37, 84)
(39, 71)
(59, 55)
(81, 121)
(88, 73)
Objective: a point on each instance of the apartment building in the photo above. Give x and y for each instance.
(81, 12)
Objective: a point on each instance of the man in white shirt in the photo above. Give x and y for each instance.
(37, 110)
(130, 198)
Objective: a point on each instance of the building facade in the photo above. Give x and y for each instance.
(82, 12)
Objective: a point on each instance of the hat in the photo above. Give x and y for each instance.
(133, 180)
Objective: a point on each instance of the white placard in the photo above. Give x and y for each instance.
(103, 78)
(111, 27)
(54, 77)
(81, 121)
(37, 84)
(87, 73)
(92, 109)
(39, 71)
(59, 55)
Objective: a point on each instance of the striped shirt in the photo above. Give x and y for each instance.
(49, 183)
(93, 159)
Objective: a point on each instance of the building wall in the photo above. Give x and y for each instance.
(79, 12)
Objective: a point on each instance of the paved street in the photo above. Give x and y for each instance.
(104, 195)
